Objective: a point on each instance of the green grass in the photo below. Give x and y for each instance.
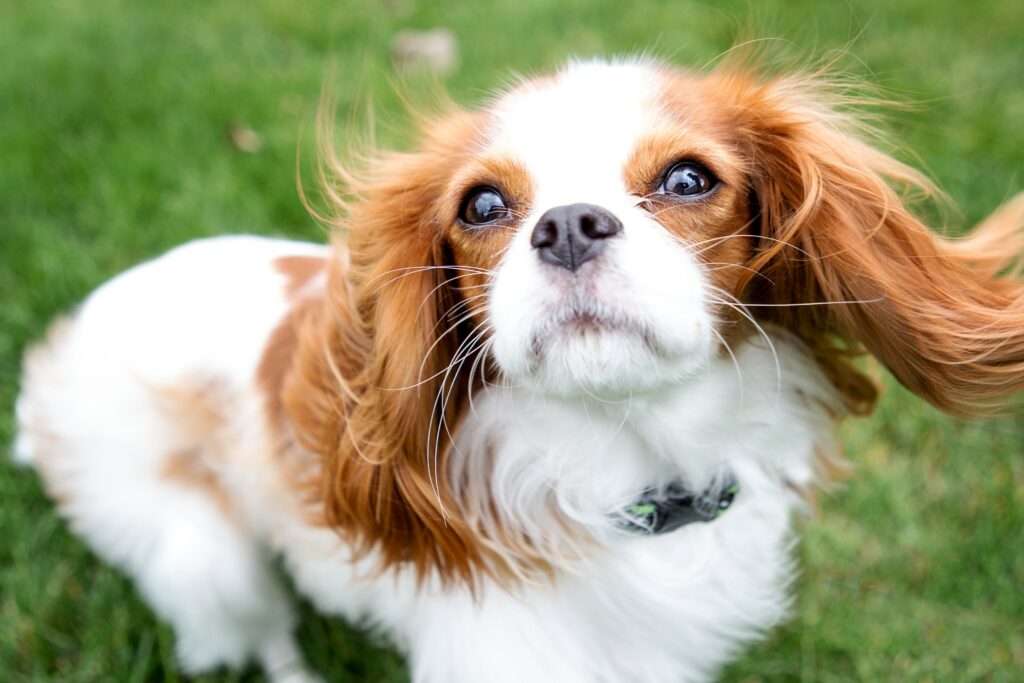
(113, 147)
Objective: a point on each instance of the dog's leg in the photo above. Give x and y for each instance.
(204, 576)
(282, 662)
(167, 523)
(137, 411)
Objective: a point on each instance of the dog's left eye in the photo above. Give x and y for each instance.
(483, 205)
(687, 179)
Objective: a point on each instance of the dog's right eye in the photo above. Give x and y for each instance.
(483, 205)
(687, 179)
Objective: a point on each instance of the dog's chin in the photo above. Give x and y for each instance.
(587, 357)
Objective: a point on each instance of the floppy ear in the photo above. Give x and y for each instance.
(945, 316)
(367, 393)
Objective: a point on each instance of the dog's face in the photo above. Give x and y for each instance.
(603, 219)
(608, 230)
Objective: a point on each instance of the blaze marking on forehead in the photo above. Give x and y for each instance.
(575, 132)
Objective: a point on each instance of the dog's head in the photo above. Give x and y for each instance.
(610, 229)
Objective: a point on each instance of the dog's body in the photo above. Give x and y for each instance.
(175, 423)
(170, 474)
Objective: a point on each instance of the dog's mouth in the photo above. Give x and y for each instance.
(577, 323)
(576, 319)
(587, 321)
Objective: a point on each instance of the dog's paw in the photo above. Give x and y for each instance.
(296, 675)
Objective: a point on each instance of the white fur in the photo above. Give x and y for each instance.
(670, 607)
(644, 284)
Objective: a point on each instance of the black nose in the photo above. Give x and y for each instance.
(569, 236)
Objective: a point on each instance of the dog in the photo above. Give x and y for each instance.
(545, 408)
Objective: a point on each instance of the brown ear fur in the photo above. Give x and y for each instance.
(362, 393)
(945, 316)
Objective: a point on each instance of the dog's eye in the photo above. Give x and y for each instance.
(687, 179)
(483, 205)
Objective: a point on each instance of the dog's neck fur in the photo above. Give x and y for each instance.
(547, 464)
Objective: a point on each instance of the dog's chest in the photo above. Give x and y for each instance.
(633, 606)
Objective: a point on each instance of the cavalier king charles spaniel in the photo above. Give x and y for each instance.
(545, 408)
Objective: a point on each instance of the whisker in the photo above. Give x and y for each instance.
(723, 266)
(451, 328)
(478, 361)
(816, 303)
(412, 270)
(435, 483)
(735, 362)
(423, 269)
(606, 401)
(462, 353)
(738, 307)
(462, 306)
(768, 239)
(625, 419)
(442, 284)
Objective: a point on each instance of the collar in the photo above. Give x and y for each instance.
(659, 511)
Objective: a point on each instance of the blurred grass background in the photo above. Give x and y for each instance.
(115, 145)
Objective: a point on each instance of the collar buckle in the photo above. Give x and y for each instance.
(660, 511)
